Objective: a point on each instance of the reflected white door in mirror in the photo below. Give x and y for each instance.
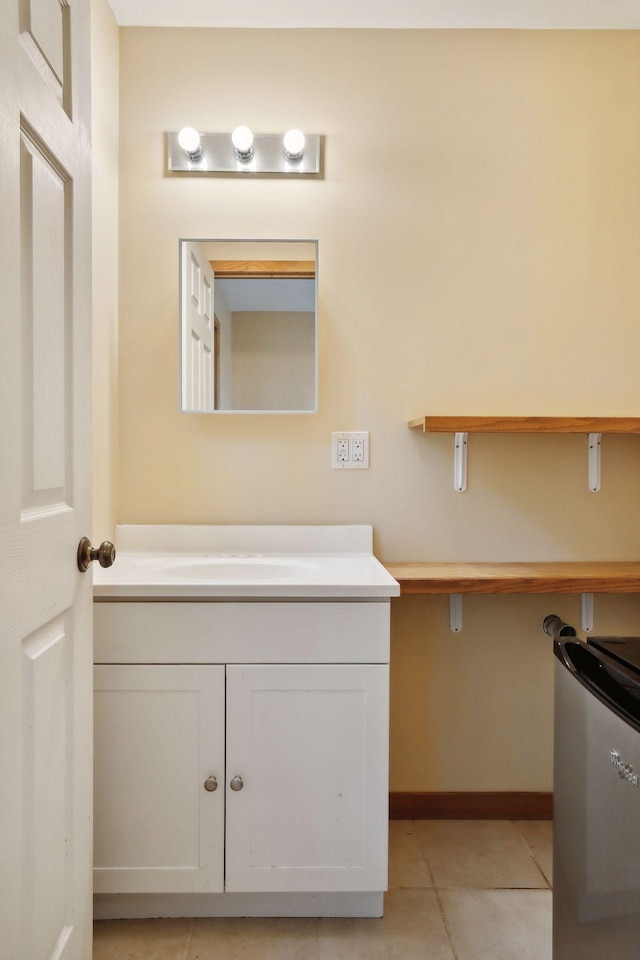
(248, 326)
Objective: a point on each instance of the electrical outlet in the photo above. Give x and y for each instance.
(342, 451)
(357, 449)
(350, 451)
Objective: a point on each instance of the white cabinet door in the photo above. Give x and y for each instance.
(310, 743)
(159, 735)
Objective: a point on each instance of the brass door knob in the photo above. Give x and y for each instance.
(105, 554)
(237, 784)
(210, 784)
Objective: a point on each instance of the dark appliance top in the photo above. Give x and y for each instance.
(625, 650)
(610, 668)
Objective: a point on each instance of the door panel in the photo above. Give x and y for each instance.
(159, 734)
(44, 26)
(45, 207)
(46, 729)
(311, 745)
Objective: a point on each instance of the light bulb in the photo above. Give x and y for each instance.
(189, 140)
(294, 141)
(242, 139)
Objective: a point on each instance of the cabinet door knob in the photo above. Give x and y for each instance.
(237, 784)
(211, 784)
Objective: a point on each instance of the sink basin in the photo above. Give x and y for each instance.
(210, 562)
(235, 568)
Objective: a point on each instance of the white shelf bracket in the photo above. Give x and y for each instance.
(586, 612)
(460, 462)
(455, 612)
(595, 458)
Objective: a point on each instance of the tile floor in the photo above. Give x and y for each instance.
(459, 890)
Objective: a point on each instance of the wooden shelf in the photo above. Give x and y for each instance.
(526, 424)
(256, 269)
(437, 578)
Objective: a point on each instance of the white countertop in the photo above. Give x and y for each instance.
(235, 562)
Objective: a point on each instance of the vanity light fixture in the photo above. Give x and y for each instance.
(294, 141)
(242, 140)
(189, 140)
(244, 154)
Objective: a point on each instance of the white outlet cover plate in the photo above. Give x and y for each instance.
(350, 464)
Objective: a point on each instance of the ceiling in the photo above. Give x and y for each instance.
(400, 14)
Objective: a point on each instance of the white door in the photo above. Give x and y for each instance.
(159, 779)
(197, 329)
(45, 481)
(309, 745)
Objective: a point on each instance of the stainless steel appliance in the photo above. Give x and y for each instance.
(596, 895)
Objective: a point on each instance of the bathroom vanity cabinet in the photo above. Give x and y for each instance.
(296, 752)
(241, 745)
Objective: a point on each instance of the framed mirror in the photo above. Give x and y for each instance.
(248, 326)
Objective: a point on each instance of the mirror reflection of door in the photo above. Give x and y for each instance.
(197, 329)
(258, 353)
(216, 363)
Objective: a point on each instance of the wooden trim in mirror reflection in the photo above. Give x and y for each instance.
(277, 269)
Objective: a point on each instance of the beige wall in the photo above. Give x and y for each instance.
(221, 250)
(105, 136)
(273, 360)
(479, 242)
